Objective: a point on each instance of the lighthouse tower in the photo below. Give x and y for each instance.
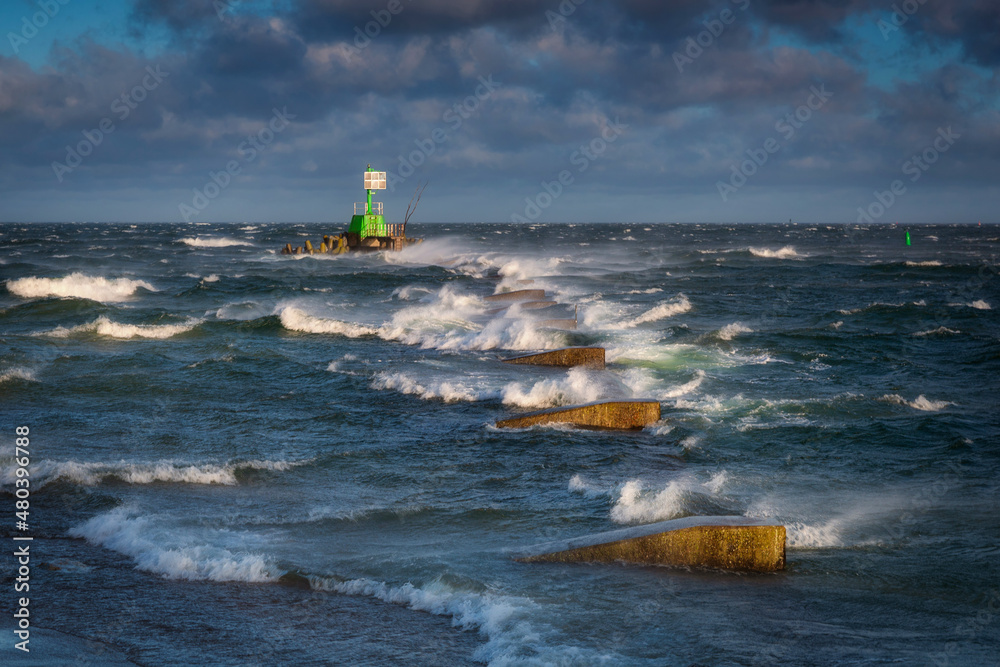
(368, 219)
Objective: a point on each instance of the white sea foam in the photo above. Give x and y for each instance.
(579, 385)
(219, 242)
(979, 304)
(213, 278)
(686, 388)
(932, 262)
(638, 504)
(507, 622)
(577, 484)
(806, 536)
(13, 374)
(787, 252)
(449, 392)
(651, 290)
(166, 471)
(154, 548)
(446, 321)
(921, 402)
(103, 326)
(78, 285)
(295, 319)
(940, 331)
(679, 305)
(731, 331)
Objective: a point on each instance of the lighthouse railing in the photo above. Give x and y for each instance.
(361, 208)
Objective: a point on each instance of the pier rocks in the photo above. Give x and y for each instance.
(618, 415)
(518, 295)
(720, 542)
(591, 357)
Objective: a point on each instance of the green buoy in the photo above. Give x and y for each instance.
(907, 237)
(370, 221)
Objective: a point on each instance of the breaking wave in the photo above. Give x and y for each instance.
(919, 403)
(667, 309)
(102, 326)
(731, 331)
(219, 242)
(295, 319)
(78, 285)
(787, 252)
(141, 539)
(93, 474)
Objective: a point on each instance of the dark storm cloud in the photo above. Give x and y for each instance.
(563, 70)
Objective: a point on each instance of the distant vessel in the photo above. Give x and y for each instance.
(368, 231)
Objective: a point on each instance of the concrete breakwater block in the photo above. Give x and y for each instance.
(623, 415)
(720, 542)
(558, 324)
(592, 357)
(537, 305)
(518, 295)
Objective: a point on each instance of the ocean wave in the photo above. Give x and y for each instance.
(144, 541)
(94, 474)
(932, 262)
(449, 392)
(921, 402)
(506, 621)
(295, 319)
(218, 242)
(940, 331)
(577, 386)
(978, 304)
(664, 310)
(78, 285)
(786, 252)
(15, 374)
(805, 536)
(638, 504)
(103, 326)
(445, 321)
(879, 304)
(731, 331)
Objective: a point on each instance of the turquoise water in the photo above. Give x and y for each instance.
(245, 458)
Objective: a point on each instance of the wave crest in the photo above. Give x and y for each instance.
(217, 242)
(102, 326)
(79, 286)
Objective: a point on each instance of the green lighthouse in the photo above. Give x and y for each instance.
(368, 219)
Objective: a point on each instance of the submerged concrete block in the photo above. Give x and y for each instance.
(518, 295)
(721, 542)
(558, 324)
(592, 357)
(537, 305)
(623, 415)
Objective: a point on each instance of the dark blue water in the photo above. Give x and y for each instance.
(245, 458)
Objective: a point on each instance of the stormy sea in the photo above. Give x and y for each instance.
(239, 457)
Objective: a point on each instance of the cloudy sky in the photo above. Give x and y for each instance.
(584, 110)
